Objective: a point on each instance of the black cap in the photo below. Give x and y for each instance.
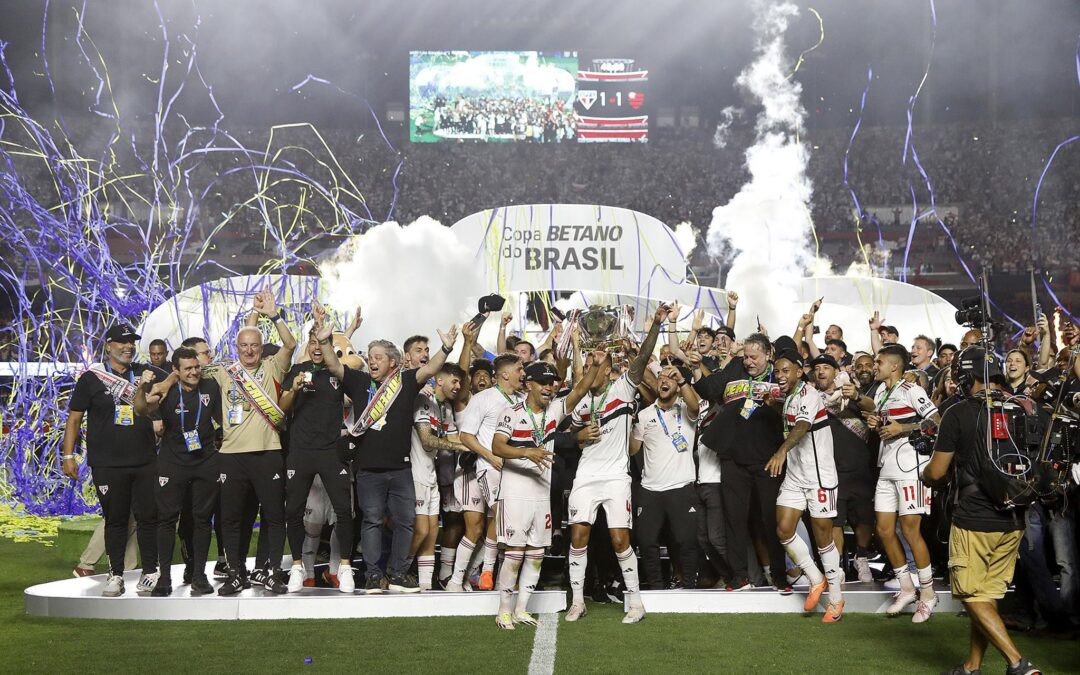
(726, 330)
(783, 344)
(121, 332)
(790, 355)
(824, 359)
(541, 372)
(490, 303)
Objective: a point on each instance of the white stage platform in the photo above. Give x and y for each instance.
(859, 598)
(81, 599)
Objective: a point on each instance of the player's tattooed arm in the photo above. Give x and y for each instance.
(432, 442)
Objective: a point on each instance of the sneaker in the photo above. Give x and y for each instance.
(404, 583)
(233, 585)
(189, 573)
(525, 618)
(147, 582)
(330, 579)
(221, 570)
(162, 588)
(81, 571)
(454, 587)
(786, 589)
(200, 585)
(862, 566)
(961, 670)
(114, 586)
(260, 576)
(505, 621)
(740, 585)
(296, 578)
(800, 580)
(346, 583)
(487, 581)
(376, 583)
(1023, 668)
(923, 610)
(900, 601)
(309, 582)
(276, 585)
(833, 612)
(814, 596)
(576, 611)
(636, 613)
(473, 582)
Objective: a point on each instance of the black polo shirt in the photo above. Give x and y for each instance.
(751, 441)
(318, 412)
(386, 445)
(202, 405)
(109, 444)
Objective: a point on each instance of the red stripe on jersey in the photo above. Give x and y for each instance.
(900, 412)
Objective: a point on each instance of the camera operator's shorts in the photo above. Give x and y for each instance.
(981, 564)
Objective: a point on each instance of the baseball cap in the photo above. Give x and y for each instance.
(121, 332)
(726, 330)
(541, 372)
(790, 355)
(824, 359)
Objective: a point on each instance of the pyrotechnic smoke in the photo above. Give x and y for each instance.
(727, 117)
(768, 222)
(408, 279)
(686, 238)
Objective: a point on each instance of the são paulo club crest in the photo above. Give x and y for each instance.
(586, 97)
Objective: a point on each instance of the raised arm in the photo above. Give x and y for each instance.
(673, 336)
(637, 367)
(324, 333)
(146, 405)
(354, 325)
(732, 303)
(586, 382)
(1046, 355)
(266, 305)
(875, 334)
(686, 390)
(470, 332)
(500, 341)
(435, 363)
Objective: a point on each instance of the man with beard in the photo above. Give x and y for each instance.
(809, 484)
(313, 393)
(187, 463)
(121, 452)
(855, 494)
(525, 440)
(863, 368)
(435, 431)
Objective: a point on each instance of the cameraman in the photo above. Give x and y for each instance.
(984, 541)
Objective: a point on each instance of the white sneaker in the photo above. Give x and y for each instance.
(862, 566)
(505, 621)
(296, 578)
(525, 618)
(576, 611)
(346, 582)
(454, 587)
(801, 580)
(924, 609)
(900, 601)
(114, 586)
(636, 613)
(147, 582)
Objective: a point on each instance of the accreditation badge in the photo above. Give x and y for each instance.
(191, 440)
(236, 414)
(679, 441)
(748, 408)
(124, 415)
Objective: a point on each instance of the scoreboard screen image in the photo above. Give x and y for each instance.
(526, 96)
(611, 103)
(492, 96)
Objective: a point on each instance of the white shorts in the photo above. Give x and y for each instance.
(524, 522)
(318, 510)
(489, 481)
(903, 497)
(467, 492)
(817, 502)
(450, 501)
(612, 493)
(427, 499)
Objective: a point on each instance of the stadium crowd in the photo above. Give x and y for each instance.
(753, 460)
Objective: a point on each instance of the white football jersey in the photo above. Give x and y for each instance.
(905, 403)
(810, 463)
(482, 415)
(613, 408)
(441, 420)
(523, 428)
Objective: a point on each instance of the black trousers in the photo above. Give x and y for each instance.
(302, 467)
(243, 474)
(198, 485)
(186, 528)
(740, 486)
(121, 492)
(711, 532)
(678, 508)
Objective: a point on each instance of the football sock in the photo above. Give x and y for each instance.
(491, 554)
(508, 576)
(830, 560)
(335, 554)
(628, 565)
(464, 554)
(926, 583)
(311, 544)
(904, 577)
(799, 553)
(530, 574)
(425, 567)
(446, 562)
(579, 558)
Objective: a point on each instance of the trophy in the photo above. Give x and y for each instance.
(602, 327)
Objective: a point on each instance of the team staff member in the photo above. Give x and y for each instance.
(665, 430)
(187, 463)
(121, 452)
(745, 434)
(314, 392)
(159, 354)
(384, 482)
(983, 542)
(250, 457)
